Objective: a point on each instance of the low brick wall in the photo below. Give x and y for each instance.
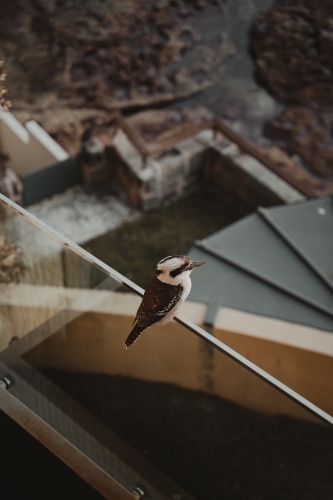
(224, 173)
(231, 170)
(172, 174)
(164, 178)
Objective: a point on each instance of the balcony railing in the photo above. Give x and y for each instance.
(179, 415)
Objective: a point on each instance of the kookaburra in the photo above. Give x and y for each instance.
(164, 295)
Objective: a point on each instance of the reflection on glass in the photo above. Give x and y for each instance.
(184, 418)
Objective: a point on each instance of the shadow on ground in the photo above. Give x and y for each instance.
(213, 448)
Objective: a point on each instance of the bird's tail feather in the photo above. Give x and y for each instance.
(133, 336)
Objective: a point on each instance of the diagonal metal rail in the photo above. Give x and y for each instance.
(207, 337)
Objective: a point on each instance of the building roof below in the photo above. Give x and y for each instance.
(276, 262)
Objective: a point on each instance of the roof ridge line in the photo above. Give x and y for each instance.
(203, 245)
(230, 226)
(263, 211)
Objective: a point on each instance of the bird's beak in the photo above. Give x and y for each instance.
(195, 264)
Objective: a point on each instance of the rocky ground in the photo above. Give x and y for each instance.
(158, 124)
(293, 46)
(71, 63)
(10, 261)
(10, 255)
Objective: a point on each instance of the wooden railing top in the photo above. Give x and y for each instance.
(158, 146)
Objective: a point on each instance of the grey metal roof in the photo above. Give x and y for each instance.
(308, 228)
(277, 262)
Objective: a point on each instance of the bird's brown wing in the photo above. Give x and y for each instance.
(158, 300)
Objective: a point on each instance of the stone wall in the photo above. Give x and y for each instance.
(164, 177)
(167, 176)
(231, 170)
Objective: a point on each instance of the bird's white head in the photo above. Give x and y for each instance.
(176, 268)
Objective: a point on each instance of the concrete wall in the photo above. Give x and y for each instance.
(301, 357)
(173, 173)
(230, 170)
(306, 372)
(29, 147)
(165, 177)
(44, 166)
(50, 179)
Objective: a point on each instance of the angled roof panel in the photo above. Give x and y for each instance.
(308, 228)
(271, 264)
(221, 284)
(253, 245)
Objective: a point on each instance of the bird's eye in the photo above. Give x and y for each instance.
(177, 271)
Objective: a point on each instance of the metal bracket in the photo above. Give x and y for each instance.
(6, 382)
(138, 493)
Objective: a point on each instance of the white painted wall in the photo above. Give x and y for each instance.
(275, 330)
(29, 146)
(108, 302)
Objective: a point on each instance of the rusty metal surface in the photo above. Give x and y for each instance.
(62, 448)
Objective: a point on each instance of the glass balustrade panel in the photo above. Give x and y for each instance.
(173, 410)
